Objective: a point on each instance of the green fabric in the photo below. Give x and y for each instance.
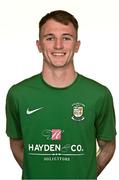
(59, 126)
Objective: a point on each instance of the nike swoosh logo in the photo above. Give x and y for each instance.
(33, 111)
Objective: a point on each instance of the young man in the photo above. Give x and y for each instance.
(55, 118)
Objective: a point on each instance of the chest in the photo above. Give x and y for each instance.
(73, 113)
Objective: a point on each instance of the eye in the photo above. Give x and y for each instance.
(50, 38)
(67, 38)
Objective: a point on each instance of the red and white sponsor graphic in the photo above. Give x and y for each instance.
(56, 134)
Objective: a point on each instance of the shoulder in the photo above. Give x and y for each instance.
(91, 86)
(24, 85)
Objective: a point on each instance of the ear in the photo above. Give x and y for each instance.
(77, 46)
(38, 45)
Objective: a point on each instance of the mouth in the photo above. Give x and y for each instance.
(59, 54)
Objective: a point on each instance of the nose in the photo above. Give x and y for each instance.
(58, 44)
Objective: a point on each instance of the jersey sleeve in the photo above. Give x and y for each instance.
(13, 126)
(105, 121)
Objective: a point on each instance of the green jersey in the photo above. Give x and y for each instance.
(59, 126)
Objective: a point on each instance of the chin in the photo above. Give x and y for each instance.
(59, 65)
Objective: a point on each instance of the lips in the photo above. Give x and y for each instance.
(58, 53)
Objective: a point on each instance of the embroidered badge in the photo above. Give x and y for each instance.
(78, 111)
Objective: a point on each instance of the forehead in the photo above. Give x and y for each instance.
(54, 27)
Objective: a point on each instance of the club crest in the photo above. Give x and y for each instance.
(78, 112)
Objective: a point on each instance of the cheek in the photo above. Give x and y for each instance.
(47, 48)
(74, 48)
(70, 46)
(44, 46)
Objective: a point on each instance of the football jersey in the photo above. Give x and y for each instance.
(60, 126)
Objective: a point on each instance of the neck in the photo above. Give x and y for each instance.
(59, 77)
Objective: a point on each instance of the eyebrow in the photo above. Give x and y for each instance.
(50, 34)
(65, 34)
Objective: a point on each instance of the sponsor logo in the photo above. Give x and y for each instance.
(56, 148)
(55, 151)
(78, 112)
(54, 134)
(28, 111)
